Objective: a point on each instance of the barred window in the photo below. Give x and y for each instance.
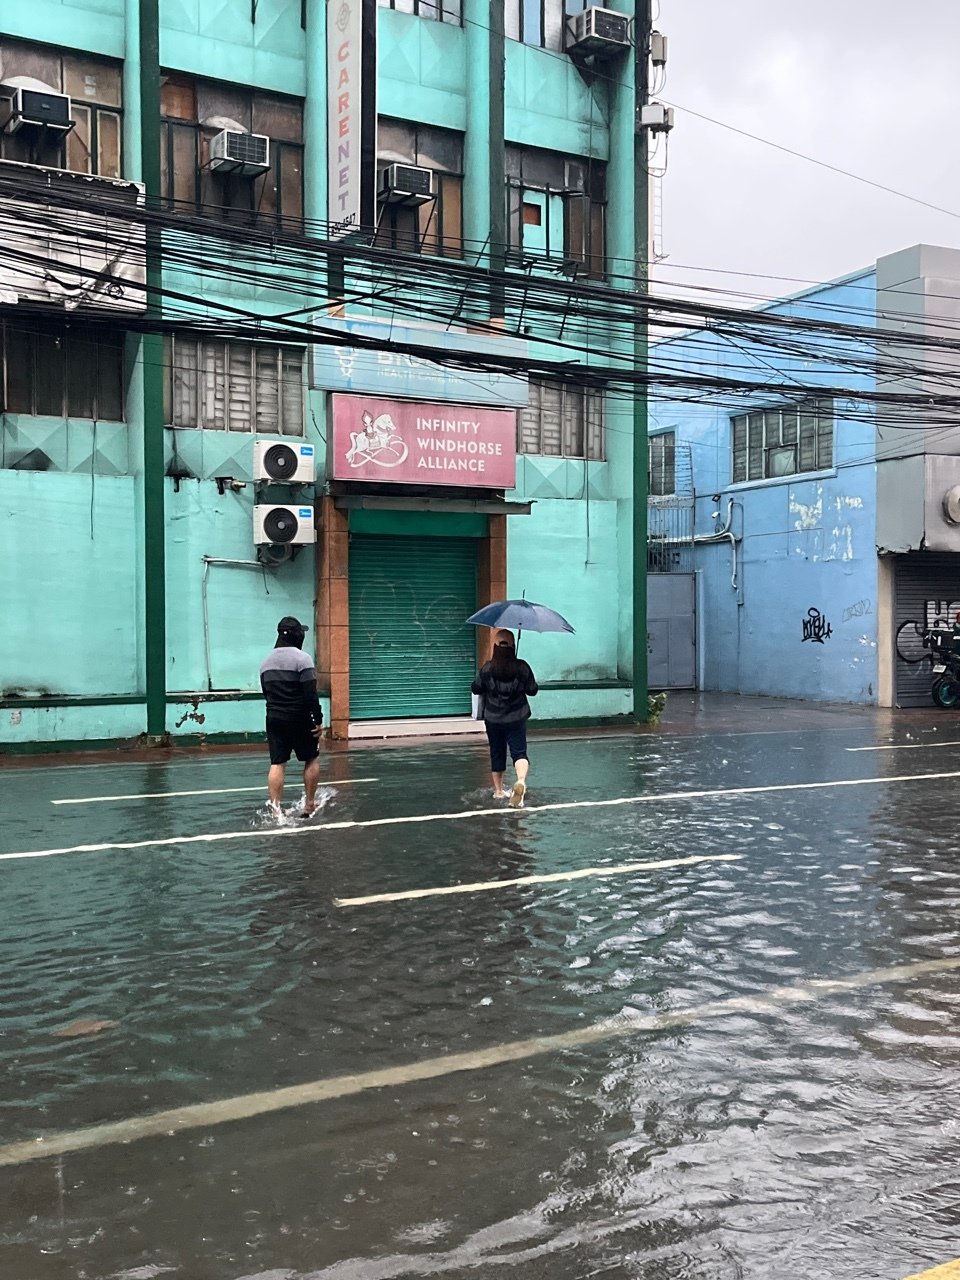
(438, 10)
(661, 468)
(561, 421)
(784, 441)
(62, 371)
(234, 386)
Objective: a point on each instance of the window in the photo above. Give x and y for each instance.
(561, 421)
(193, 112)
(556, 208)
(784, 441)
(94, 86)
(436, 226)
(64, 371)
(234, 386)
(661, 469)
(438, 10)
(539, 22)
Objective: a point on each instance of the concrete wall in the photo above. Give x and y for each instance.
(804, 542)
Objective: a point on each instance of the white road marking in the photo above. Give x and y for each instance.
(467, 814)
(581, 874)
(205, 1115)
(210, 791)
(905, 746)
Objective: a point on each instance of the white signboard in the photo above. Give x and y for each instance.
(344, 115)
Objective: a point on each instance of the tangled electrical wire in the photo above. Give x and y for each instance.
(598, 334)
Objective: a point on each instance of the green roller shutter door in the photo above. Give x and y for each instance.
(410, 653)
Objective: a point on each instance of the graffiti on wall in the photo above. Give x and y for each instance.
(816, 627)
(938, 615)
(860, 609)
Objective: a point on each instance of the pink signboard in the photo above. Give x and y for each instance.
(407, 442)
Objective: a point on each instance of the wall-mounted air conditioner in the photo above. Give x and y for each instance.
(39, 108)
(406, 184)
(242, 153)
(283, 463)
(602, 33)
(283, 526)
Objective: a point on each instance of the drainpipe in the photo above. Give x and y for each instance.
(724, 534)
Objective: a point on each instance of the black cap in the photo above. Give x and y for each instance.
(290, 626)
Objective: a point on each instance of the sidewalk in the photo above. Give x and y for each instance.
(686, 713)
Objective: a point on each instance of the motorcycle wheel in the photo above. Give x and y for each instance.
(946, 692)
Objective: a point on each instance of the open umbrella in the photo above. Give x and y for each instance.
(520, 615)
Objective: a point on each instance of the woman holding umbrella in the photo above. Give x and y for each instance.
(505, 683)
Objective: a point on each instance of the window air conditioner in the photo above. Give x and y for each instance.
(283, 463)
(406, 184)
(603, 33)
(39, 108)
(245, 153)
(283, 526)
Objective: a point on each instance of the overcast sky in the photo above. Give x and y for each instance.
(871, 86)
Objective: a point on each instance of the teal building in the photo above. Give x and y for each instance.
(172, 178)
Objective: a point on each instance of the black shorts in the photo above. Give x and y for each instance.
(501, 736)
(286, 737)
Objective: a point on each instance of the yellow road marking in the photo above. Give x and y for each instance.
(947, 1271)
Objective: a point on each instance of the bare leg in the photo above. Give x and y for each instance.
(520, 786)
(311, 776)
(498, 791)
(275, 784)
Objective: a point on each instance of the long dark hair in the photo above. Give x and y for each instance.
(504, 662)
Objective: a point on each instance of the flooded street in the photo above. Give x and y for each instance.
(634, 1072)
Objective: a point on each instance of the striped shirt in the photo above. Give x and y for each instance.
(288, 679)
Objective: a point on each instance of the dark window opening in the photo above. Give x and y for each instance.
(192, 113)
(434, 227)
(62, 371)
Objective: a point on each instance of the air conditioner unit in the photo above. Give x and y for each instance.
(283, 463)
(38, 108)
(601, 32)
(244, 153)
(280, 526)
(406, 184)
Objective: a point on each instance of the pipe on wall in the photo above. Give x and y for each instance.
(725, 534)
(208, 563)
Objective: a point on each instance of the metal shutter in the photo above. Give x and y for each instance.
(927, 589)
(410, 653)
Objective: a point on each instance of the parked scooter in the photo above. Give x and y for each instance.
(944, 647)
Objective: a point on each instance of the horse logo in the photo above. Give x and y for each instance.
(379, 442)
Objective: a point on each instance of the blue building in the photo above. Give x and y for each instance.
(201, 150)
(800, 542)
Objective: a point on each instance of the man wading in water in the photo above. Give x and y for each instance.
(288, 679)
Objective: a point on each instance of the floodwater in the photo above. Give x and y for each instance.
(776, 1129)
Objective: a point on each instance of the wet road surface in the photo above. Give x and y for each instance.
(649, 1083)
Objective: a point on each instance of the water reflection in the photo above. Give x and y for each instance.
(816, 1141)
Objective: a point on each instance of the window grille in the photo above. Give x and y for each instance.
(661, 470)
(561, 421)
(234, 386)
(783, 441)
